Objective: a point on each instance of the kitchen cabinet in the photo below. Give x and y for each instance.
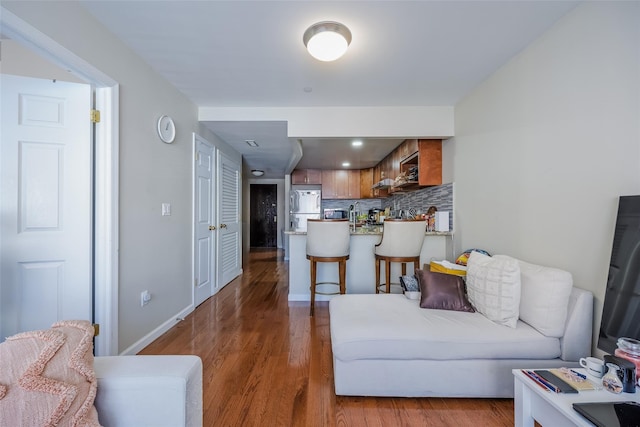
(428, 160)
(354, 184)
(340, 184)
(306, 176)
(366, 182)
(407, 148)
(329, 190)
(377, 177)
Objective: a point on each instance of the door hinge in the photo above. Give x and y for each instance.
(197, 156)
(195, 282)
(96, 329)
(95, 116)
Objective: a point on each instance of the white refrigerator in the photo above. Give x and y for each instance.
(303, 205)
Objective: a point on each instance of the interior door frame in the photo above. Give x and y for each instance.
(105, 172)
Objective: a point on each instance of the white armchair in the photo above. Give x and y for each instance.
(149, 391)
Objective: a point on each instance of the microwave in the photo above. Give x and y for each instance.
(336, 214)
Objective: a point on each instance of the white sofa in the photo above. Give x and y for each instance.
(152, 391)
(386, 345)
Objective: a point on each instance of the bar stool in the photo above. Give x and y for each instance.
(327, 241)
(401, 242)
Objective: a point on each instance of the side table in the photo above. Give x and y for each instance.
(532, 402)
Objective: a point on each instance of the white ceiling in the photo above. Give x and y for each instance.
(250, 54)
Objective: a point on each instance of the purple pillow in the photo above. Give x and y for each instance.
(442, 291)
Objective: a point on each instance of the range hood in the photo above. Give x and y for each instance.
(385, 183)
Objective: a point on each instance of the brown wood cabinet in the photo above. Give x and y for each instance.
(306, 176)
(329, 190)
(407, 148)
(377, 176)
(366, 182)
(340, 184)
(354, 184)
(428, 159)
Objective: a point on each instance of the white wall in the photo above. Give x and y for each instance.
(546, 145)
(155, 251)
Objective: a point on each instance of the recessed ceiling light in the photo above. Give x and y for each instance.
(251, 142)
(356, 143)
(346, 164)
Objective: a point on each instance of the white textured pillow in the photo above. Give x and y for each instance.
(493, 286)
(544, 297)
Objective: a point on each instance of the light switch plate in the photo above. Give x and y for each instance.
(166, 209)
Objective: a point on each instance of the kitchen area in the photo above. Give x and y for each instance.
(405, 185)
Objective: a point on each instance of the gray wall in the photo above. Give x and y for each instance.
(545, 146)
(155, 251)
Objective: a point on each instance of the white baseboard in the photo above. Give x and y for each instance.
(157, 332)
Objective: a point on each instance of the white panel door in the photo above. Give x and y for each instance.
(45, 181)
(229, 238)
(204, 221)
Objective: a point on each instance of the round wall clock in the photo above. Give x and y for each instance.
(166, 129)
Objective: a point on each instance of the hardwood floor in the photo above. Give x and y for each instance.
(267, 363)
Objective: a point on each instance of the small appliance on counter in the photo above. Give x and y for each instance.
(336, 214)
(374, 215)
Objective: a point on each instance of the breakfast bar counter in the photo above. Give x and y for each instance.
(361, 264)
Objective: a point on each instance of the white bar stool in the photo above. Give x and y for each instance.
(327, 241)
(401, 242)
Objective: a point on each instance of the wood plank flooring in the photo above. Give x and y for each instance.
(267, 363)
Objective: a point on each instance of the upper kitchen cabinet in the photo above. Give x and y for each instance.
(340, 184)
(306, 176)
(407, 148)
(354, 184)
(366, 182)
(427, 160)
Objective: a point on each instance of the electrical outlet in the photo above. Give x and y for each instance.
(145, 297)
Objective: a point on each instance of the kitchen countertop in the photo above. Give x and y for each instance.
(360, 272)
(376, 230)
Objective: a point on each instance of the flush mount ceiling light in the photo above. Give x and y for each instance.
(327, 40)
(257, 172)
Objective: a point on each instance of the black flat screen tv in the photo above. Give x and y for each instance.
(621, 309)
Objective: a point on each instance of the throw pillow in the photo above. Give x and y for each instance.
(493, 286)
(409, 283)
(544, 297)
(442, 291)
(47, 377)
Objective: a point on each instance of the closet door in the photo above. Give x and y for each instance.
(229, 237)
(204, 221)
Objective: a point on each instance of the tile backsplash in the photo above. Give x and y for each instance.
(440, 196)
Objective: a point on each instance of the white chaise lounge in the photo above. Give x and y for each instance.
(386, 345)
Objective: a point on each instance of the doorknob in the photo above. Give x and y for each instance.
(212, 227)
(223, 225)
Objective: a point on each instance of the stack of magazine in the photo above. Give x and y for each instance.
(562, 380)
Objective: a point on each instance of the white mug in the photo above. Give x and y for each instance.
(593, 365)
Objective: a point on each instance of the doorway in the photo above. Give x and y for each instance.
(105, 178)
(263, 207)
